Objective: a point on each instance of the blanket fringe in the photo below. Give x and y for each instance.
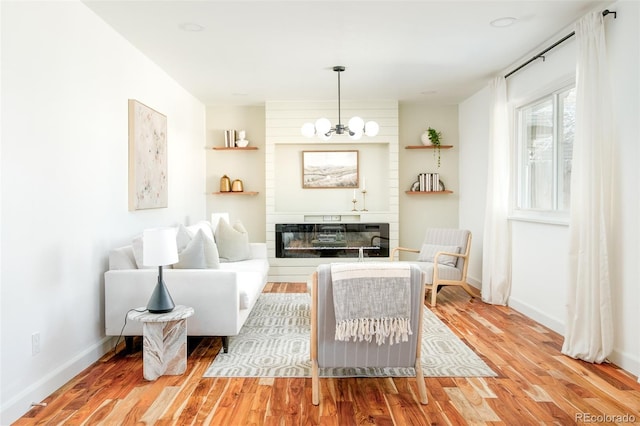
(396, 329)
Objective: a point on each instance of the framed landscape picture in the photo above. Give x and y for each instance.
(329, 169)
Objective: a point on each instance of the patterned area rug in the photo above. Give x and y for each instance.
(274, 342)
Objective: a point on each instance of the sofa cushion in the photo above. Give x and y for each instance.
(122, 258)
(200, 253)
(444, 272)
(202, 225)
(233, 242)
(192, 256)
(136, 244)
(259, 266)
(428, 252)
(183, 236)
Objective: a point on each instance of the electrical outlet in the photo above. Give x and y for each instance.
(35, 344)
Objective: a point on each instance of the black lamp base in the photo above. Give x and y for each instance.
(160, 301)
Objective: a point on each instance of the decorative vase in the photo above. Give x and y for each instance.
(424, 138)
(237, 186)
(225, 184)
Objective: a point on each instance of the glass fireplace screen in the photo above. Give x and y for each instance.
(332, 240)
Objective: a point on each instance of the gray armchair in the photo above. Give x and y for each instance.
(444, 257)
(326, 351)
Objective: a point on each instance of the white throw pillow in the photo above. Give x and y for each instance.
(122, 258)
(233, 242)
(205, 243)
(183, 236)
(193, 255)
(428, 252)
(137, 253)
(202, 225)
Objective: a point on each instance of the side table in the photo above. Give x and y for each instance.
(164, 341)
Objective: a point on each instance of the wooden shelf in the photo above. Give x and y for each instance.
(235, 148)
(427, 147)
(236, 193)
(428, 192)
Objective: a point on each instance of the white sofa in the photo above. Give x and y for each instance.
(222, 298)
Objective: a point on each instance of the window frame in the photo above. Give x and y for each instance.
(519, 188)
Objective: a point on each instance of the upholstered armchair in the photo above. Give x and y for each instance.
(444, 257)
(328, 352)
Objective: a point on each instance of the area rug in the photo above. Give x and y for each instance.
(274, 342)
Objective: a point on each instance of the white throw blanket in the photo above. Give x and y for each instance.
(372, 299)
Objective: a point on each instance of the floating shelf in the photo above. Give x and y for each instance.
(235, 148)
(428, 192)
(236, 193)
(427, 147)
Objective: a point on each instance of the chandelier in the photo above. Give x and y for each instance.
(355, 128)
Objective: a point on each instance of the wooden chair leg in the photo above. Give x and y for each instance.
(466, 288)
(422, 387)
(315, 383)
(434, 294)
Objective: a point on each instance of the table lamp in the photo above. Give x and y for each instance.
(159, 249)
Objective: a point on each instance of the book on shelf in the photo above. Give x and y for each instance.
(429, 182)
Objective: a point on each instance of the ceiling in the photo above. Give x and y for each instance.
(249, 52)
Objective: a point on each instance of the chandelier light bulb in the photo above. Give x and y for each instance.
(356, 124)
(308, 130)
(323, 125)
(371, 128)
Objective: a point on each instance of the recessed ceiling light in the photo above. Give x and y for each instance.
(191, 27)
(503, 22)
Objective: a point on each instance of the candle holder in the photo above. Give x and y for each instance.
(364, 201)
(354, 201)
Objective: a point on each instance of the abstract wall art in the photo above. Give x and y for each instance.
(148, 180)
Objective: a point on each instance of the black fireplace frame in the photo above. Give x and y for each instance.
(333, 240)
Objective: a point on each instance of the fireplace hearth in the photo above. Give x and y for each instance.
(338, 240)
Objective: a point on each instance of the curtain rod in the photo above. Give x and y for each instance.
(562, 40)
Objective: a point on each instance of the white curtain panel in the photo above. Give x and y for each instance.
(589, 327)
(496, 246)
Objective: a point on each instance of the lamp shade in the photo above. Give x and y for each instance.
(159, 247)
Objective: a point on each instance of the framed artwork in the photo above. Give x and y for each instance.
(148, 182)
(329, 169)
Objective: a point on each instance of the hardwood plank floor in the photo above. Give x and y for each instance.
(536, 385)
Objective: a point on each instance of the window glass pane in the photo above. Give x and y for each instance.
(567, 107)
(537, 121)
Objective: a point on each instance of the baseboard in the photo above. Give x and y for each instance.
(18, 405)
(624, 360)
(474, 282)
(536, 315)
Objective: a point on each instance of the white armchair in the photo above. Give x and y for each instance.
(444, 257)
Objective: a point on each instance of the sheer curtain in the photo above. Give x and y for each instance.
(496, 246)
(589, 329)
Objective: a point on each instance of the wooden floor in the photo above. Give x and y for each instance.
(536, 385)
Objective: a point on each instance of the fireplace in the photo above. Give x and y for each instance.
(298, 240)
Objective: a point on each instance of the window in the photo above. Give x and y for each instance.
(545, 132)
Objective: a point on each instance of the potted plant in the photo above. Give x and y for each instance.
(433, 137)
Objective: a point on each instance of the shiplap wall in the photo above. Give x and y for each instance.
(287, 202)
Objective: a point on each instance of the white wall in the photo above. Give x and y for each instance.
(540, 250)
(247, 166)
(419, 212)
(474, 135)
(66, 79)
(288, 202)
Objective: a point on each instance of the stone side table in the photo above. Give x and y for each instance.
(164, 341)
